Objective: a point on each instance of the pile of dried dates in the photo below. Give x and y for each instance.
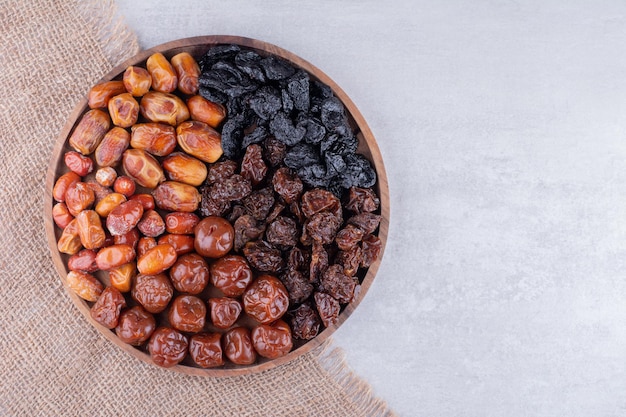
(216, 209)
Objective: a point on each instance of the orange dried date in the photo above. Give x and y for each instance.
(90, 130)
(85, 285)
(124, 217)
(124, 110)
(108, 307)
(200, 140)
(153, 292)
(131, 238)
(108, 203)
(157, 259)
(184, 168)
(176, 196)
(61, 215)
(190, 273)
(80, 164)
(164, 78)
(85, 261)
(137, 81)
(62, 184)
(144, 244)
(181, 223)
(112, 146)
(90, 229)
(182, 243)
(163, 107)
(167, 347)
(146, 200)
(156, 138)
(187, 71)
(151, 224)
(69, 242)
(142, 168)
(272, 341)
(187, 313)
(206, 349)
(114, 256)
(238, 346)
(106, 177)
(206, 111)
(100, 94)
(135, 326)
(121, 277)
(79, 197)
(266, 299)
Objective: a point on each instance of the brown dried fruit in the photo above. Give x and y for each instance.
(187, 313)
(69, 242)
(338, 284)
(85, 285)
(153, 292)
(361, 200)
(108, 203)
(157, 259)
(349, 237)
(90, 229)
(156, 138)
(184, 168)
(206, 349)
(287, 184)
(190, 273)
(80, 164)
(187, 71)
(282, 233)
(200, 140)
(238, 346)
(135, 326)
(121, 277)
(263, 257)
(297, 285)
(164, 78)
(305, 322)
(182, 243)
(151, 224)
(231, 274)
(124, 110)
(266, 299)
(137, 81)
(253, 167)
(368, 222)
(79, 197)
(124, 185)
(100, 94)
(114, 256)
(181, 223)
(206, 111)
(318, 200)
(327, 307)
(163, 107)
(272, 341)
(124, 217)
(90, 130)
(61, 215)
(176, 196)
(142, 168)
(372, 246)
(62, 184)
(85, 261)
(108, 307)
(224, 311)
(105, 177)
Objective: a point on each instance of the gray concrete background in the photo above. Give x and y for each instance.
(503, 128)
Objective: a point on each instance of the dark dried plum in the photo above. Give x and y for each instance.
(287, 185)
(228, 79)
(334, 164)
(236, 212)
(232, 135)
(315, 131)
(259, 203)
(368, 222)
(359, 172)
(319, 92)
(276, 68)
(249, 63)
(266, 102)
(333, 116)
(327, 307)
(287, 102)
(301, 155)
(217, 53)
(253, 167)
(338, 144)
(274, 151)
(319, 262)
(298, 89)
(349, 237)
(338, 284)
(263, 257)
(277, 208)
(281, 126)
(282, 233)
(362, 200)
(219, 171)
(298, 287)
(350, 260)
(314, 176)
(258, 135)
(305, 322)
(247, 228)
(371, 246)
(212, 95)
(322, 227)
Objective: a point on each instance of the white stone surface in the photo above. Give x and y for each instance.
(503, 128)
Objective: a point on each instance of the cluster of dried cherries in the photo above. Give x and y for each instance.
(215, 210)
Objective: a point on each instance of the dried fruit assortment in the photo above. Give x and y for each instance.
(215, 211)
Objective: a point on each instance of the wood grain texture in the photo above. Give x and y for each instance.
(196, 46)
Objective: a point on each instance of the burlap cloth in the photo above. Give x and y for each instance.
(52, 362)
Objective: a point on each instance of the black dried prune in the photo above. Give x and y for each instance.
(298, 287)
(338, 284)
(219, 171)
(258, 135)
(334, 164)
(371, 246)
(349, 237)
(333, 116)
(228, 79)
(319, 92)
(247, 228)
(298, 89)
(287, 185)
(319, 262)
(314, 176)
(350, 260)
(212, 95)
(305, 322)
(283, 129)
(232, 135)
(259, 203)
(282, 233)
(253, 167)
(327, 307)
(263, 257)
(276, 69)
(232, 188)
(362, 200)
(359, 172)
(302, 155)
(217, 53)
(368, 222)
(322, 227)
(341, 145)
(266, 102)
(249, 63)
(274, 151)
(287, 101)
(315, 131)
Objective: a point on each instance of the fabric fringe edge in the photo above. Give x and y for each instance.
(333, 361)
(117, 41)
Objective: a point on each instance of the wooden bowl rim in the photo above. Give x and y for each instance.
(204, 42)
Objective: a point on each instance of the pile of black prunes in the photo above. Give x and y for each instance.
(266, 96)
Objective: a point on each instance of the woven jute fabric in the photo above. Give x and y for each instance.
(52, 361)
